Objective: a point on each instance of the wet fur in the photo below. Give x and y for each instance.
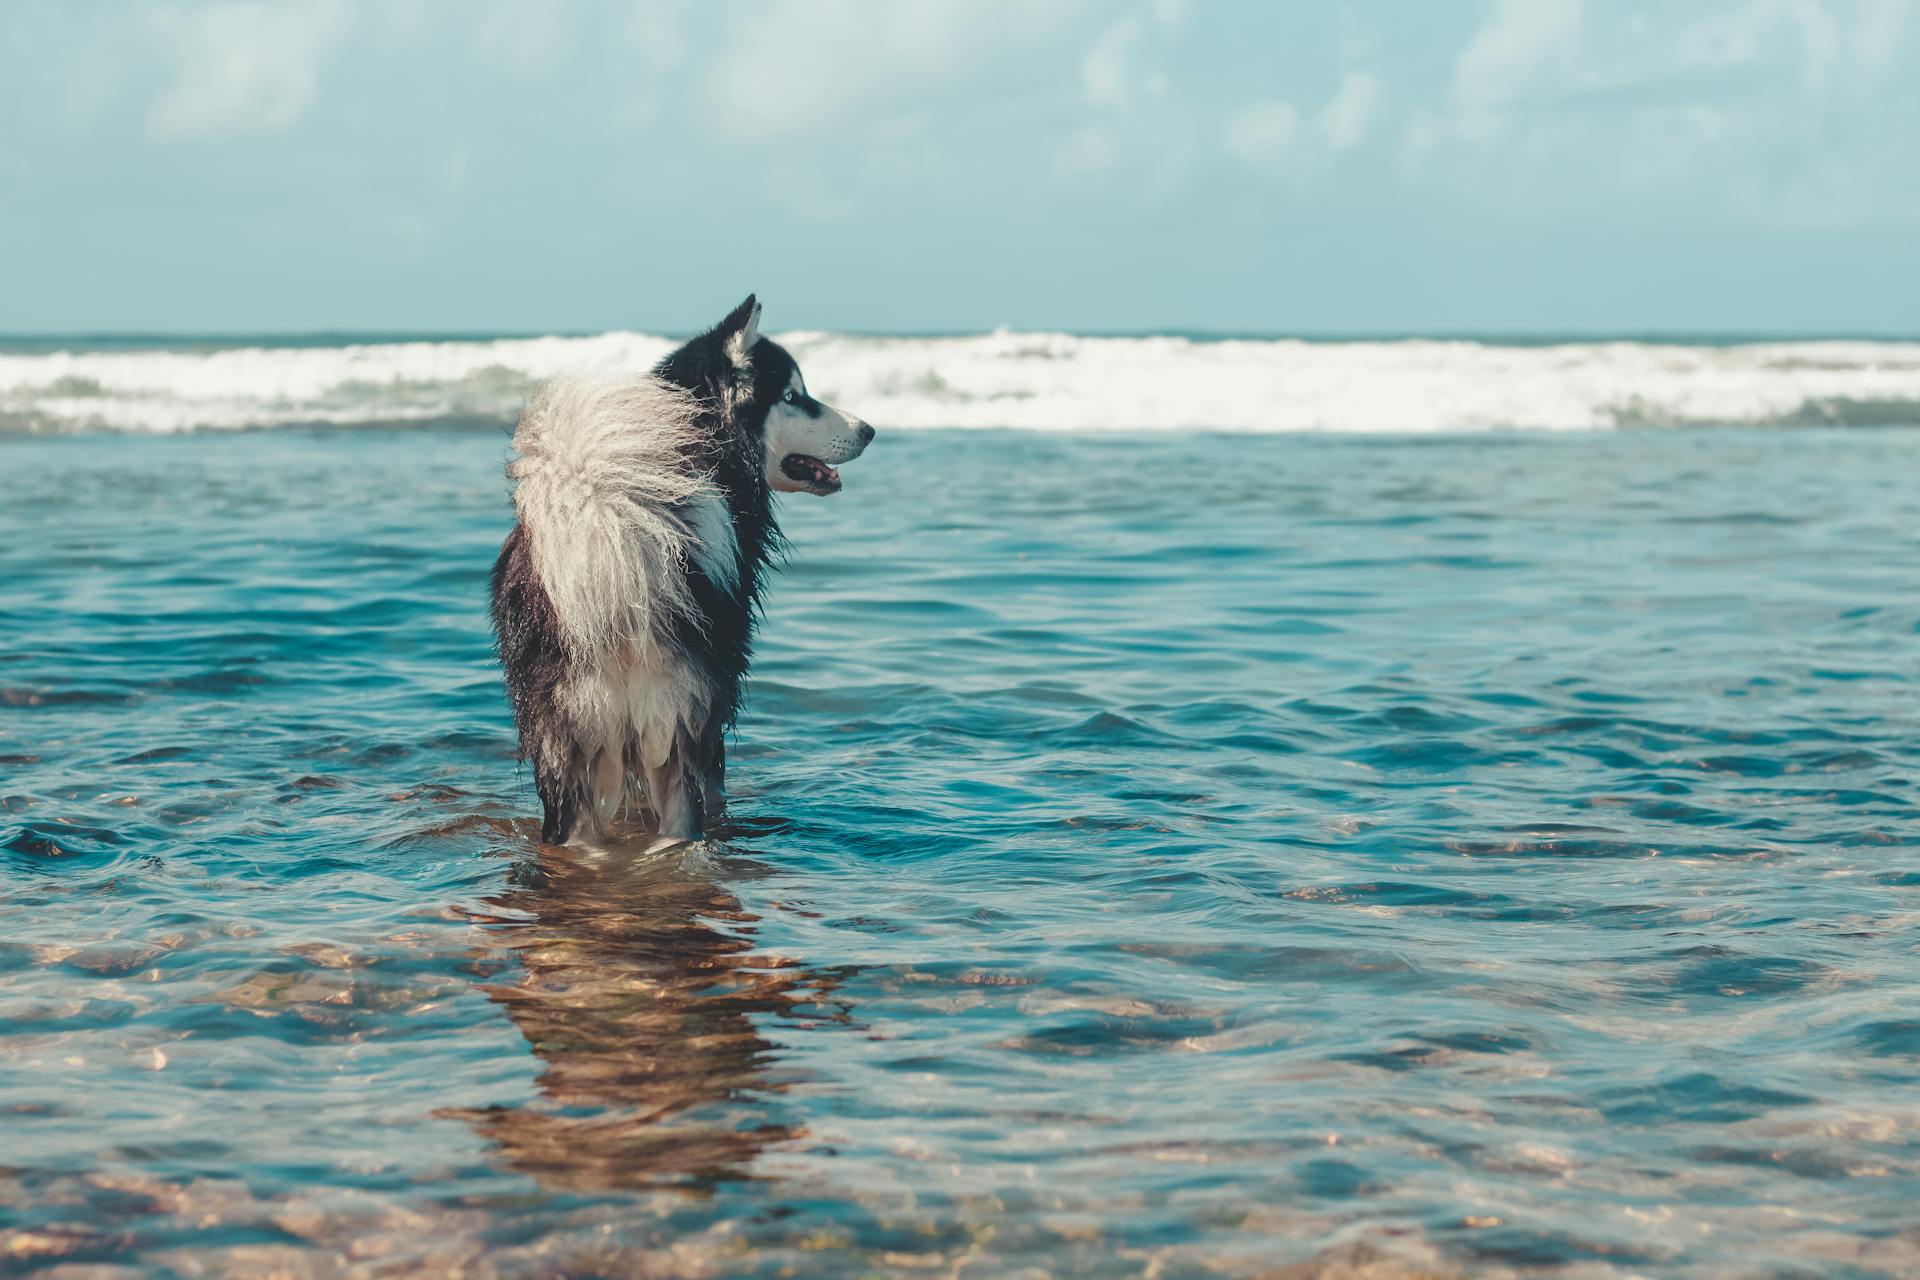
(625, 598)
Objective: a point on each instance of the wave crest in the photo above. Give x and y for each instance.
(1036, 381)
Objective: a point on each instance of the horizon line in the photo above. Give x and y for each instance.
(1495, 337)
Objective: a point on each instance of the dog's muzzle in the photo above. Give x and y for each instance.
(817, 474)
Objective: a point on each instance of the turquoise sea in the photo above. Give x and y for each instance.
(1171, 854)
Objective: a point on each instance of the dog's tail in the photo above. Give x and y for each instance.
(609, 487)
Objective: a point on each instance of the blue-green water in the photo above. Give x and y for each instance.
(1176, 856)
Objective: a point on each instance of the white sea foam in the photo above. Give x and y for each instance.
(1021, 380)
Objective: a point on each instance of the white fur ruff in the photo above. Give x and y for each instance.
(602, 486)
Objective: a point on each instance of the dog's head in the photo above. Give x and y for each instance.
(801, 439)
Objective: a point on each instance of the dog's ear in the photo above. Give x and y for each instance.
(740, 329)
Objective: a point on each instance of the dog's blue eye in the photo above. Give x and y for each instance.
(792, 396)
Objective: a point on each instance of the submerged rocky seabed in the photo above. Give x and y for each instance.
(1178, 856)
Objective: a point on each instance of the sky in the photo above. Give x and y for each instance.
(1251, 166)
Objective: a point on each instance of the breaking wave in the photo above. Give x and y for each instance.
(1036, 381)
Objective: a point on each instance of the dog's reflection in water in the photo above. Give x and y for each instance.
(640, 989)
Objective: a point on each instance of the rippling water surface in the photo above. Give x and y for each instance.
(1185, 856)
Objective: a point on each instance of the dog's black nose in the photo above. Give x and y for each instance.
(866, 435)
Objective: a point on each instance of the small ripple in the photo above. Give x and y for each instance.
(52, 840)
(1695, 1098)
(1555, 849)
(1112, 729)
(158, 754)
(1897, 1038)
(47, 697)
(1722, 971)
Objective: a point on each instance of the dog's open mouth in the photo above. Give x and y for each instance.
(810, 471)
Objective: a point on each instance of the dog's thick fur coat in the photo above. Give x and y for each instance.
(625, 598)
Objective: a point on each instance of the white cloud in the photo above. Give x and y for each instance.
(1349, 115)
(798, 65)
(527, 41)
(241, 68)
(1876, 33)
(1118, 71)
(1106, 76)
(1510, 53)
(1271, 134)
(1261, 134)
(1770, 110)
(1090, 149)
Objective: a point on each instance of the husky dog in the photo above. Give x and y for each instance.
(625, 598)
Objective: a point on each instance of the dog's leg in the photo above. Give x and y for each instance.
(562, 785)
(673, 790)
(606, 786)
(713, 771)
(536, 664)
(639, 804)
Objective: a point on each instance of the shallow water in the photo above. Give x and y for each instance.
(1186, 856)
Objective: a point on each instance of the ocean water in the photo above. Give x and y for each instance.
(1178, 854)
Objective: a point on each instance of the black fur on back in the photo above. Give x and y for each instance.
(733, 421)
